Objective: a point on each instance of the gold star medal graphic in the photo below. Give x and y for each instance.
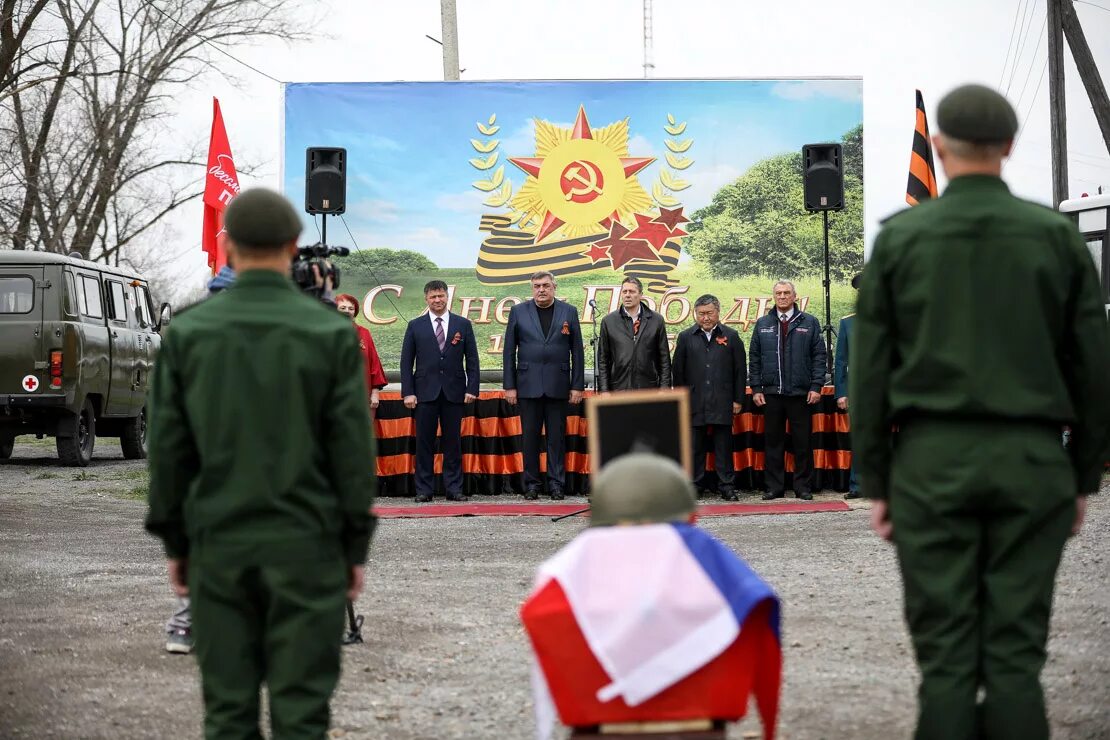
(570, 214)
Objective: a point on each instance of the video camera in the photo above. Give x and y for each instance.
(316, 256)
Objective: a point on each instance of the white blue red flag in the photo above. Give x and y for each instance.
(652, 606)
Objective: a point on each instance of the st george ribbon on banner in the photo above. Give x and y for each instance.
(922, 183)
(221, 184)
(656, 603)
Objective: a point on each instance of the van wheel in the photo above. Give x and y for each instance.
(7, 444)
(132, 437)
(76, 449)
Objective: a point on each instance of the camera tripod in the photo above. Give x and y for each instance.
(354, 626)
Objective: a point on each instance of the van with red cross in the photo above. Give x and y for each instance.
(77, 346)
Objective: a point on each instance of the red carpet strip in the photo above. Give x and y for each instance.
(427, 511)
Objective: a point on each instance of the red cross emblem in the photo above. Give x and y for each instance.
(30, 383)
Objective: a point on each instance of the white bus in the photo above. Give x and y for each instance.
(1092, 215)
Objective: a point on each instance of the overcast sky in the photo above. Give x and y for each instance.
(894, 45)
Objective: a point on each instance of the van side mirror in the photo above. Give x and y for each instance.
(165, 315)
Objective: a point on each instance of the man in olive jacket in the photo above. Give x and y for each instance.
(787, 371)
(261, 480)
(632, 349)
(709, 360)
(980, 332)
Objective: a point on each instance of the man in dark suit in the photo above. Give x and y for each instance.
(632, 349)
(709, 360)
(543, 361)
(434, 383)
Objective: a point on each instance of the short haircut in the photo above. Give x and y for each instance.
(541, 275)
(434, 285)
(707, 300)
(350, 299)
(635, 281)
(784, 282)
(975, 150)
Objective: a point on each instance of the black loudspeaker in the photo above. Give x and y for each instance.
(325, 180)
(823, 174)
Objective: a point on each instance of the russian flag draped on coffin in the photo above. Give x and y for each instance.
(652, 622)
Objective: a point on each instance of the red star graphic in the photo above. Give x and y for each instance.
(532, 165)
(655, 234)
(671, 218)
(596, 254)
(622, 250)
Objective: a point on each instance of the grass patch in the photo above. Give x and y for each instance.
(137, 493)
(46, 476)
(136, 474)
(83, 476)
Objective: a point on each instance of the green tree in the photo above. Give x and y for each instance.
(757, 225)
(377, 264)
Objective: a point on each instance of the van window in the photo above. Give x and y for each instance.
(17, 294)
(70, 295)
(91, 288)
(117, 308)
(142, 301)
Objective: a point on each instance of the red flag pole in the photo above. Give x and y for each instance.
(221, 184)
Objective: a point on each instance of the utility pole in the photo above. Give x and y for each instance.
(649, 65)
(450, 32)
(1056, 108)
(1088, 72)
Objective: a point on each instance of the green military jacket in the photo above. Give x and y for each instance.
(260, 433)
(978, 305)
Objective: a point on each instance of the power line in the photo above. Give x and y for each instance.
(371, 269)
(1032, 65)
(1093, 5)
(1024, 41)
(1033, 102)
(208, 41)
(1009, 46)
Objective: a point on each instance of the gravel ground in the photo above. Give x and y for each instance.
(83, 598)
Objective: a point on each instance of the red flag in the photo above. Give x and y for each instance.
(221, 184)
(923, 175)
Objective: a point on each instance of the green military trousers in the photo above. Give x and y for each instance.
(267, 617)
(981, 512)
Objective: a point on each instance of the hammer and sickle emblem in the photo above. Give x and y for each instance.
(587, 182)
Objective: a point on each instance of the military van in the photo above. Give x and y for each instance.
(77, 346)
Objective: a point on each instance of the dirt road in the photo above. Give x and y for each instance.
(83, 598)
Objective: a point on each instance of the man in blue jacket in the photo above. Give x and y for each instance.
(543, 366)
(840, 380)
(786, 372)
(435, 383)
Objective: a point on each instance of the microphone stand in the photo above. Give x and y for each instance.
(593, 343)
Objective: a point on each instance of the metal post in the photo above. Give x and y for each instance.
(1057, 111)
(828, 302)
(324, 229)
(450, 31)
(1088, 71)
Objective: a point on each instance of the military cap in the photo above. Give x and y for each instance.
(978, 114)
(261, 218)
(641, 488)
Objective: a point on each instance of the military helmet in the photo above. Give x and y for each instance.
(641, 488)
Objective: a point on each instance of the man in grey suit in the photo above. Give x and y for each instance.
(543, 369)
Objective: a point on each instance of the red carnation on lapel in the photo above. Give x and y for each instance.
(566, 327)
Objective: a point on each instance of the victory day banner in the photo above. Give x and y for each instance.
(692, 186)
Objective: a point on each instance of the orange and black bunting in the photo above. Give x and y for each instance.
(923, 174)
(492, 447)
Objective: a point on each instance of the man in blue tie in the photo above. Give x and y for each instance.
(435, 383)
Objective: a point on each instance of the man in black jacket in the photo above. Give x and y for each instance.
(633, 351)
(709, 360)
(787, 371)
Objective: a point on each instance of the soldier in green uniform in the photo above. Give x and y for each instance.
(980, 332)
(261, 480)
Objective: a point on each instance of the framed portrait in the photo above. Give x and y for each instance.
(656, 421)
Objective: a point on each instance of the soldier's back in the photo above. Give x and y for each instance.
(979, 282)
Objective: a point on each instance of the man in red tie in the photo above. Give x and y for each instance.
(435, 383)
(786, 372)
(632, 349)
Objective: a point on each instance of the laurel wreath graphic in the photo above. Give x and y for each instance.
(670, 181)
(499, 187)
